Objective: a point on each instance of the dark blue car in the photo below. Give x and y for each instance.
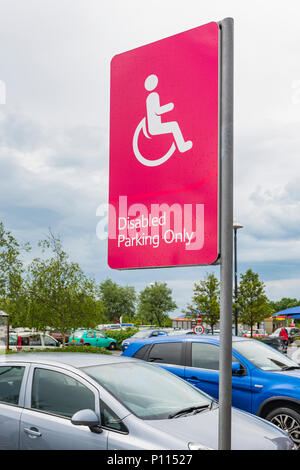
(142, 334)
(264, 381)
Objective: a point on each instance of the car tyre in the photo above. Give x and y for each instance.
(288, 420)
(112, 347)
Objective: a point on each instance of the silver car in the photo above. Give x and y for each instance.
(86, 401)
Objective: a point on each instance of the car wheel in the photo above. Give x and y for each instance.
(112, 346)
(86, 344)
(288, 420)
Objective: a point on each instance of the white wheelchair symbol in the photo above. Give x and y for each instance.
(156, 127)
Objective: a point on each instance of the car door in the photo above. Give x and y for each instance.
(202, 367)
(90, 338)
(101, 340)
(30, 342)
(49, 342)
(169, 355)
(53, 395)
(203, 371)
(12, 389)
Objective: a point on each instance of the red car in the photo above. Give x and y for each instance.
(256, 334)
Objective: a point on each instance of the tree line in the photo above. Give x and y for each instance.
(52, 291)
(252, 304)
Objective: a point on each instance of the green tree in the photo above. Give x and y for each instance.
(283, 304)
(154, 304)
(206, 300)
(12, 292)
(59, 293)
(253, 305)
(118, 301)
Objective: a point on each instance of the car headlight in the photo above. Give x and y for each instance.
(196, 446)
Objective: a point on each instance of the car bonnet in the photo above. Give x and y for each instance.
(248, 431)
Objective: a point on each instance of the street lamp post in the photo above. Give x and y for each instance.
(236, 226)
(4, 330)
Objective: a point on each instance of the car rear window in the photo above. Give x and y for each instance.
(78, 334)
(142, 352)
(166, 353)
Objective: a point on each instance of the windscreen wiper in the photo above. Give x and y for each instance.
(191, 409)
(290, 367)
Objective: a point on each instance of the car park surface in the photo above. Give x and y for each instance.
(264, 381)
(82, 401)
(92, 338)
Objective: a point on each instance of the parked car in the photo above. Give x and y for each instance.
(28, 341)
(148, 333)
(264, 381)
(92, 338)
(255, 334)
(209, 331)
(56, 334)
(296, 355)
(293, 332)
(62, 401)
(275, 342)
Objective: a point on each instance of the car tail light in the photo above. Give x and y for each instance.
(81, 340)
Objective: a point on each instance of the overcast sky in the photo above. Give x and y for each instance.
(54, 61)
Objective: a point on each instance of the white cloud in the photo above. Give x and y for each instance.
(54, 129)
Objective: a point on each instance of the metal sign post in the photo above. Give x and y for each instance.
(226, 137)
(166, 209)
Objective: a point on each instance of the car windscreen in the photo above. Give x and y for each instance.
(142, 334)
(147, 391)
(262, 356)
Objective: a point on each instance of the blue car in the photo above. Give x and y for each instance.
(142, 334)
(265, 382)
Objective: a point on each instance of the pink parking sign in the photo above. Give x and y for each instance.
(163, 176)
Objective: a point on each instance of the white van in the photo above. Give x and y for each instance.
(27, 341)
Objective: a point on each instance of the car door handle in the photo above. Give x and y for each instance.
(193, 378)
(33, 432)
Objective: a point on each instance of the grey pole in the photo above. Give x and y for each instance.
(226, 141)
(236, 226)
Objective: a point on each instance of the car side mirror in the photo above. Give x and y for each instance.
(87, 418)
(237, 369)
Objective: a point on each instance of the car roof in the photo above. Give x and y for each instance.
(76, 359)
(187, 338)
(28, 333)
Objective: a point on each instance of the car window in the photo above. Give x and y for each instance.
(148, 391)
(168, 353)
(10, 383)
(34, 340)
(295, 331)
(141, 353)
(78, 334)
(49, 341)
(110, 420)
(262, 356)
(141, 334)
(13, 340)
(206, 356)
(90, 334)
(60, 394)
(99, 335)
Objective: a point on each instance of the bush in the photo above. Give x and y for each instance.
(71, 349)
(120, 335)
